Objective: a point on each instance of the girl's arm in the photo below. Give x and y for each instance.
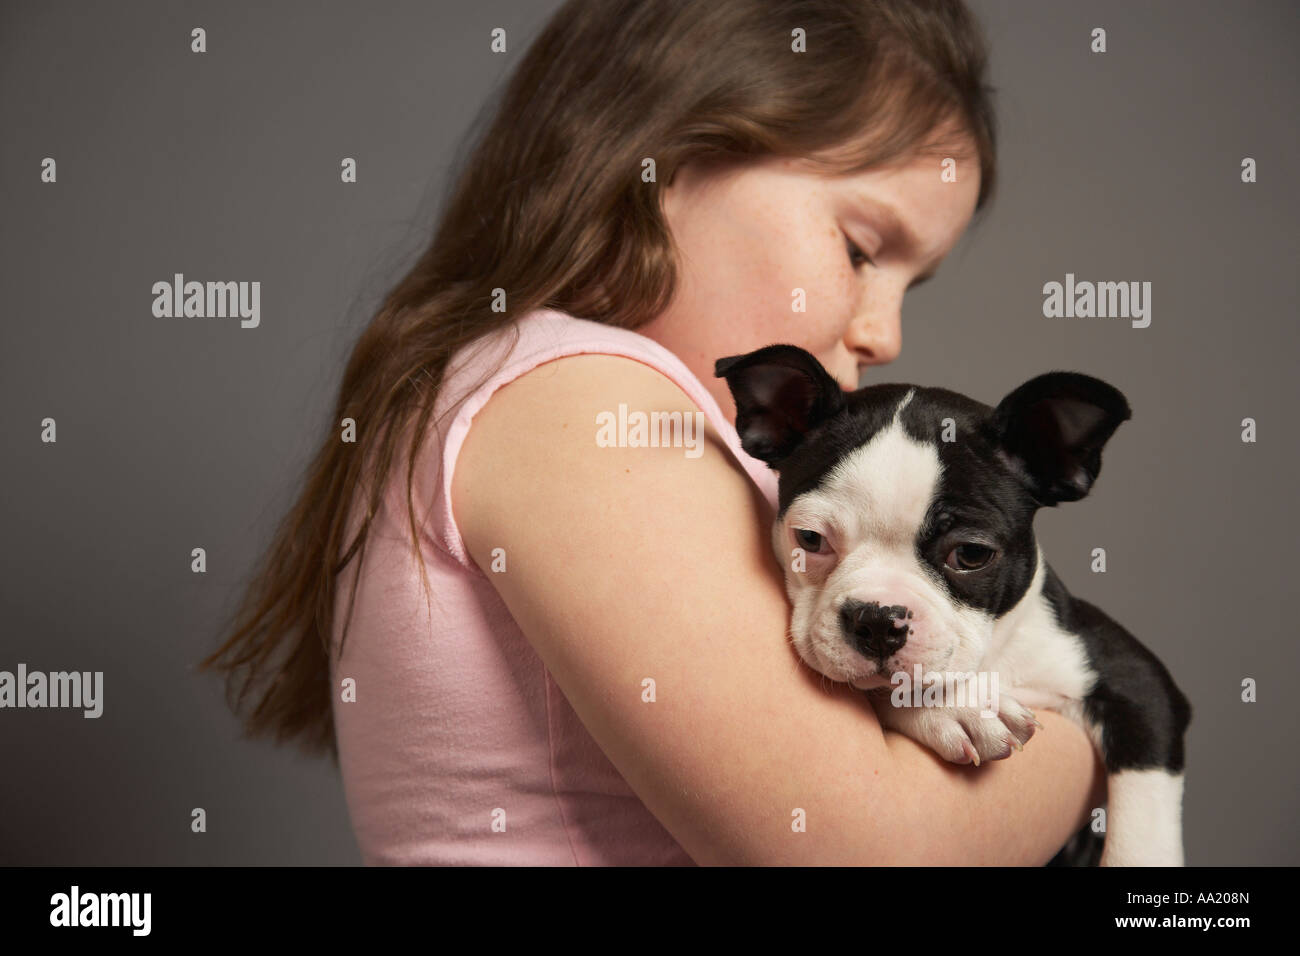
(632, 563)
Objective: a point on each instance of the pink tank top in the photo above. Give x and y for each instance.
(457, 723)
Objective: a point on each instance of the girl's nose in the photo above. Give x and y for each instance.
(876, 336)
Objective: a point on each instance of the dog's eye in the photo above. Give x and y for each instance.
(969, 557)
(808, 540)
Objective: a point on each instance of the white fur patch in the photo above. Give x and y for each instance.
(1030, 650)
(881, 490)
(1144, 819)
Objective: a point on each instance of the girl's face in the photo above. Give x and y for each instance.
(750, 237)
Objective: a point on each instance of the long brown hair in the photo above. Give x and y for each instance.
(550, 206)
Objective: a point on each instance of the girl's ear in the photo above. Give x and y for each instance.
(782, 392)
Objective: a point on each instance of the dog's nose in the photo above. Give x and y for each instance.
(871, 628)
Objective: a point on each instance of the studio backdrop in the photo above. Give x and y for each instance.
(301, 153)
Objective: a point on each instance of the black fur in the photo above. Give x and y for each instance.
(1142, 713)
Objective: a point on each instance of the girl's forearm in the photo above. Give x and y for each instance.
(1017, 811)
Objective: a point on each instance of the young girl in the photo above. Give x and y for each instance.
(524, 645)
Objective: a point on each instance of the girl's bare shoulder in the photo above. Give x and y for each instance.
(547, 435)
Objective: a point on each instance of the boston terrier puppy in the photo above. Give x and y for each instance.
(905, 528)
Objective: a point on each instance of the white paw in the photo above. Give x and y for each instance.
(961, 734)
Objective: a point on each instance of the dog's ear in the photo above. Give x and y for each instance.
(781, 393)
(1051, 431)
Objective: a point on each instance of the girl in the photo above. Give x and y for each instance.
(523, 645)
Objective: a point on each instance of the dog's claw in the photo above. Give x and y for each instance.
(964, 735)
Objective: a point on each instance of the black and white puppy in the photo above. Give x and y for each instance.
(905, 527)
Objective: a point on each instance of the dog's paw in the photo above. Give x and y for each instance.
(962, 734)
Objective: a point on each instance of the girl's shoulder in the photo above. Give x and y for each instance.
(559, 392)
(547, 335)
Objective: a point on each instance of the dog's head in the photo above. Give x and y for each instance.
(905, 514)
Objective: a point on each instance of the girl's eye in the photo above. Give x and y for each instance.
(854, 250)
(808, 540)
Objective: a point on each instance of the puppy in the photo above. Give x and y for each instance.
(905, 528)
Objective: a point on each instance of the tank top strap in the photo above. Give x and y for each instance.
(543, 335)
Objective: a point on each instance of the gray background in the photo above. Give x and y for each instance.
(182, 433)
